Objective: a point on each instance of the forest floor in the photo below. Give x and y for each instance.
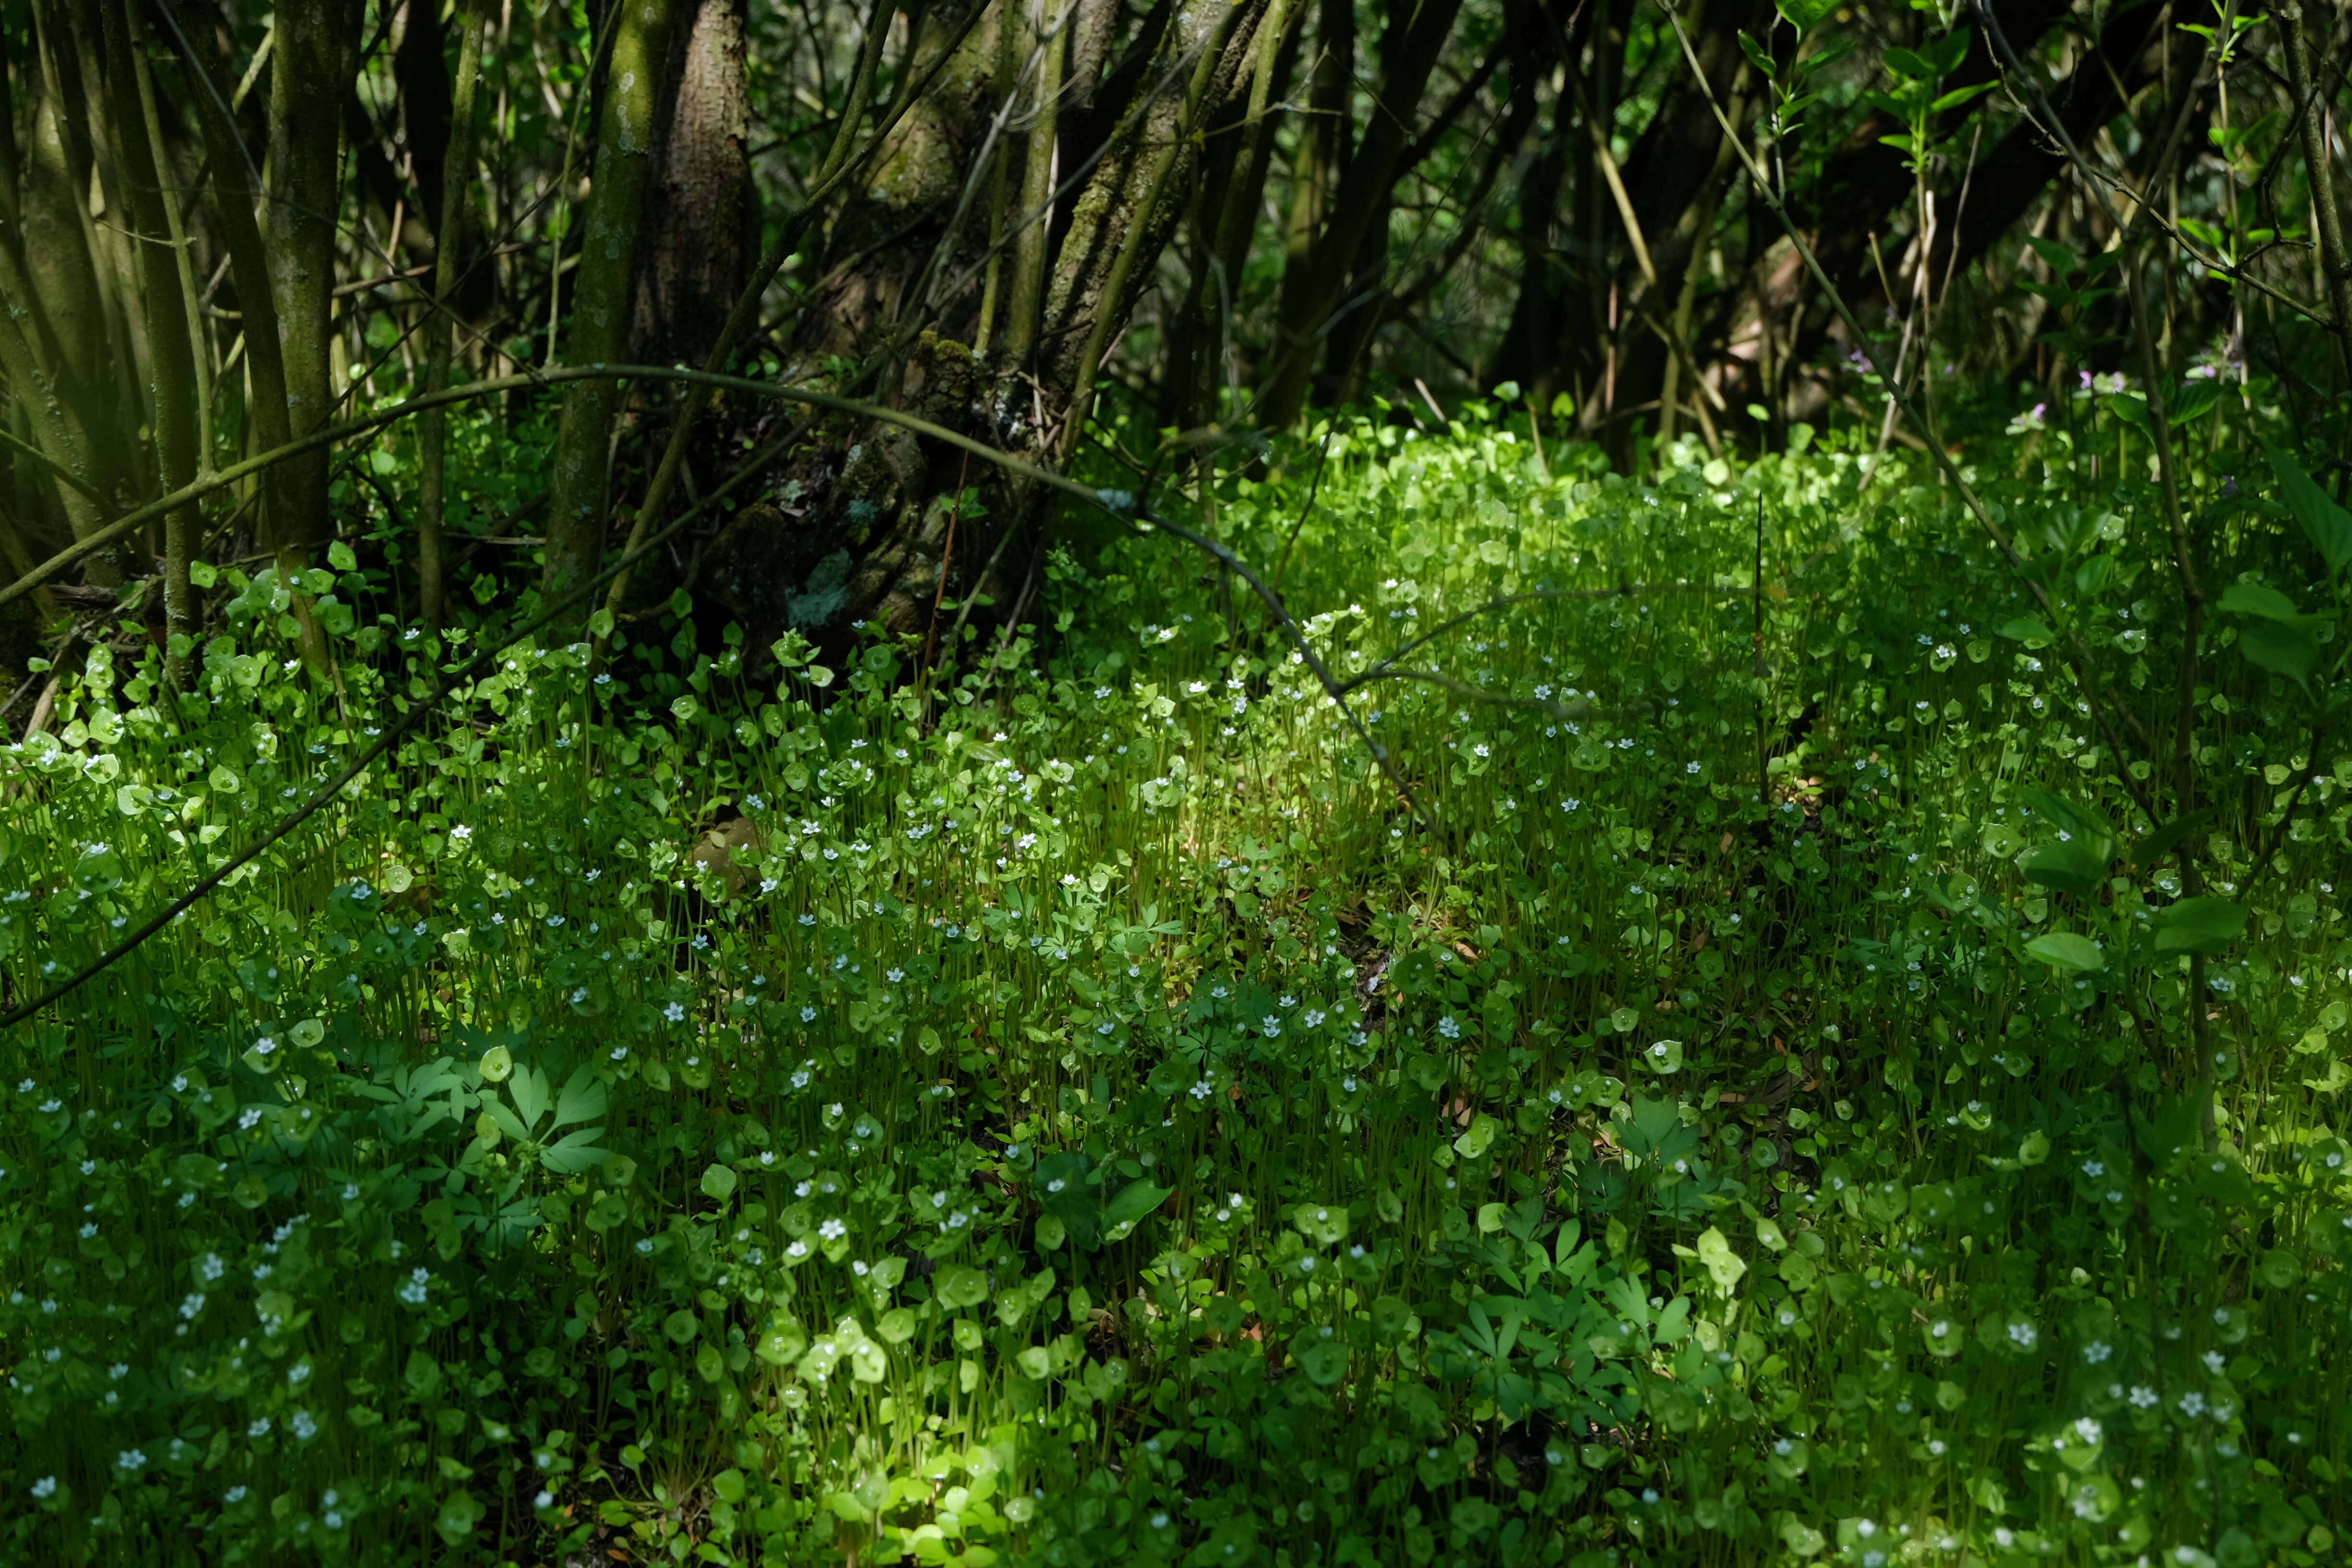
(1724, 1087)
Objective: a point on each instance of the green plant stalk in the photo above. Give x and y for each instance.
(433, 425)
(1760, 182)
(2192, 594)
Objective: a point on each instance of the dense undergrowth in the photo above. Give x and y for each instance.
(1073, 1108)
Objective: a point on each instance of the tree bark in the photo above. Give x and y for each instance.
(310, 79)
(867, 515)
(2319, 167)
(600, 314)
(165, 300)
(235, 179)
(703, 218)
(67, 334)
(454, 180)
(1042, 39)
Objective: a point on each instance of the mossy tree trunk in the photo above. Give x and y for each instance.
(871, 522)
(598, 331)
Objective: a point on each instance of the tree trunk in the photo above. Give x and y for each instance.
(233, 181)
(164, 297)
(876, 523)
(310, 79)
(702, 218)
(454, 180)
(604, 281)
(1410, 43)
(67, 333)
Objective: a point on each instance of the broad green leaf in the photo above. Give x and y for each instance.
(1836, 49)
(2158, 844)
(2281, 648)
(2255, 599)
(718, 1182)
(2061, 259)
(1945, 54)
(2199, 925)
(1325, 1362)
(1478, 1137)
(1959, 96)
(784, 1342)
(2068, 951)
(1757, 58)
(1135, 1200)
(961, 1285)
(2072, 868)
(2195, 400)
(2324, 524)
(1909, 64)
(2029, 630)
(2084, 824)
(1802, 14)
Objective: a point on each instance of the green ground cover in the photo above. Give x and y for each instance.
(1752, 1106)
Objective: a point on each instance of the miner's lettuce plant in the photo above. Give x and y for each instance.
(754, 1105)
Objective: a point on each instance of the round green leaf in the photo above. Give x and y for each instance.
(1325, 1362)
(961, 1286)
